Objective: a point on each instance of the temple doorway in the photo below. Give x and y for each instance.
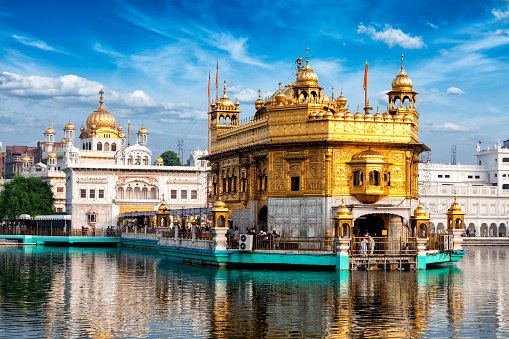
(371, 223)
(262, 219)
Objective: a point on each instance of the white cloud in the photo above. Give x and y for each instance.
(236, 47)
(500, 15)
(454, 91)
(36, 43)
(46, 87)
(245, 95)
(447, 127)
(392, 37)
(432, 25)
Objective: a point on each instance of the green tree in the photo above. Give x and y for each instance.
(26, 195)
(171, 158)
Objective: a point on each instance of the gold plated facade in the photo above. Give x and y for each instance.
(301, 143)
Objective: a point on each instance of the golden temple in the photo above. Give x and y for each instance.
(289, 166)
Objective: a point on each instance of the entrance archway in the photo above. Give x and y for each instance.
(262, 218)
(371, 223)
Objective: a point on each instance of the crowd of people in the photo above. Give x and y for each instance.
(263, 239)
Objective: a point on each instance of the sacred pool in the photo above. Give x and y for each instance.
(69, 292)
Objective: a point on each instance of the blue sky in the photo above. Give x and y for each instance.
(153, 59)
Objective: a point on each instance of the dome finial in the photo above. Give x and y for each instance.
(307, 56)
(402, 59)
(332, 94)
(259, 93)
(299, 62)
(224, 89)
(279, 85)
(101, 101)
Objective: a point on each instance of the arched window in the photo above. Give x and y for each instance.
(99, 146)
(120, 193)
(106, 146)
(137, 193)
(114, 147)
(374, 178)
(153, 193)
(129, 193)
(358, 178)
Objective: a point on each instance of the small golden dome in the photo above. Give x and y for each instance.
(49, 130)
(82, 129)
(387, 116)
(306, 76)
(52, 155)
(225, 102)
(368, 116)
(402, 81)
(63, 141)
(419, 211)
(455, 207)
(259, 102)
(378, 116)
(26, 158)
(348, 115)
(162, 207)
(159, 160)
(101, 117)
(143, 131)
(219, 204)
(343, 210)
(119, 128)
(341, 101)
(69, 126)
(358, 115)
(280, 96)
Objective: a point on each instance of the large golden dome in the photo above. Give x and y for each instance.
(101, 117)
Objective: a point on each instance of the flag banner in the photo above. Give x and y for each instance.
(366, 76)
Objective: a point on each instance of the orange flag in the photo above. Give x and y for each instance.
(366, 75)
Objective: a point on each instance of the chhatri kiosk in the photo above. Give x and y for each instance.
(307, 167)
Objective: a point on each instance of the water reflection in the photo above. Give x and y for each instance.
(117, 293)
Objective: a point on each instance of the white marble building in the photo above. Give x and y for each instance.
(98, 176)
(482, 190)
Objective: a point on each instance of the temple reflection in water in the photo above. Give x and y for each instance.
(114, 293)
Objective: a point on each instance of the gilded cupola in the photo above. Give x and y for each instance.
(419, 211)
(69, 126)
(259, 102)
(143, 130)
(225, 103)
(159, 161)
(306, 76)
(49, 130)
(101, 117)
(402, 81)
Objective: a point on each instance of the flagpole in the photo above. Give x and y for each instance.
(217, 81)
(207, 199)
(366, 86)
